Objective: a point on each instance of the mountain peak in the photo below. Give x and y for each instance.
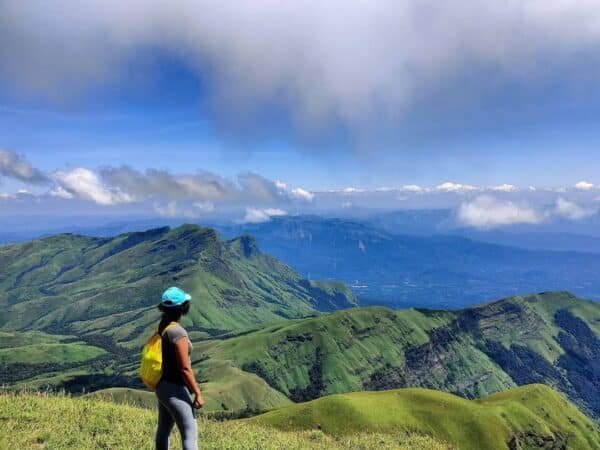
(246, 245)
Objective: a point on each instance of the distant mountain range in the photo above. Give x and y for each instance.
(424, 271)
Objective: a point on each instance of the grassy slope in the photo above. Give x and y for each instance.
(40, 348)
(50, 353)
(105, 291)
(491, 423)
(38, 421)
(76, 284)
(376, 348)
(532, 324)
(353, 345)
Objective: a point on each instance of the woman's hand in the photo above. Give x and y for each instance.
(198, 401)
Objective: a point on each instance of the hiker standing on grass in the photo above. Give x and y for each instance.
(175, 403)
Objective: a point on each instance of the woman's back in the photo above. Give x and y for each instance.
(171, 369)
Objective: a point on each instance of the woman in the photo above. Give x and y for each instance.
(175, 404)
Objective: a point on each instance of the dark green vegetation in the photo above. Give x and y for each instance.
(104, 291)
(549, 338)
(404, 270)
(533, 416)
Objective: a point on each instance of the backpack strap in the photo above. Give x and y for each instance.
(172, 324)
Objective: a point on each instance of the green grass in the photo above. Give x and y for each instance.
(50, 353)
(376, 348)
(353, 344)
(38, 421)
(534, 325)
(489, 423)
(35, 347)
(83, 286)
(10, 340)
(125, 396)
(232, 393)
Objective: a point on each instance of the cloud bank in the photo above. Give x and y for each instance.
(572, 210)
(488, 212)
(348, 64)
(252, 198)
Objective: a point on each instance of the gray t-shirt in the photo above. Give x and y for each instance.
(171, 369)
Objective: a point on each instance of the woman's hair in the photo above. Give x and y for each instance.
(172, 313)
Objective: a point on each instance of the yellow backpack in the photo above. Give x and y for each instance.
(151, 366)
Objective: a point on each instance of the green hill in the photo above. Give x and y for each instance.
(104, 291)
(550, 338)
(531, 416)
(78, 309)
(76, 284)
(55, 422)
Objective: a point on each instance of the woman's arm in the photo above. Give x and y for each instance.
(183, 360)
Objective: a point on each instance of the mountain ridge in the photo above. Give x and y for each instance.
(133, 267)
(550, 338)
(404, 270)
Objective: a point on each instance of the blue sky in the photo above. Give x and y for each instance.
(384, 95)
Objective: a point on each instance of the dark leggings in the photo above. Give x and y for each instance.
(175, 407)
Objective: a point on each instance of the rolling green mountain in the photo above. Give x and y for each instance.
(74, 309)
(551, 338)
(68, 284)
(533, 416)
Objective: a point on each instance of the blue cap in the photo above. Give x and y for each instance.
(175, 297)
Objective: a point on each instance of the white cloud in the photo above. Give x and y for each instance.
(352, 190)
(255, 215)
(280, 185)
(175, 209)
(16, 166)
(413, 188)
(204, 207)
(168, 210)
(572, 210)
(584, 186)
(455, 187)
(302, 194)
(488, 212)
(86, 184)
(327, 61)
(60, 192)
(505, 188)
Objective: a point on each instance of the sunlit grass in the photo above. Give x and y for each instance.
(51, 421)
